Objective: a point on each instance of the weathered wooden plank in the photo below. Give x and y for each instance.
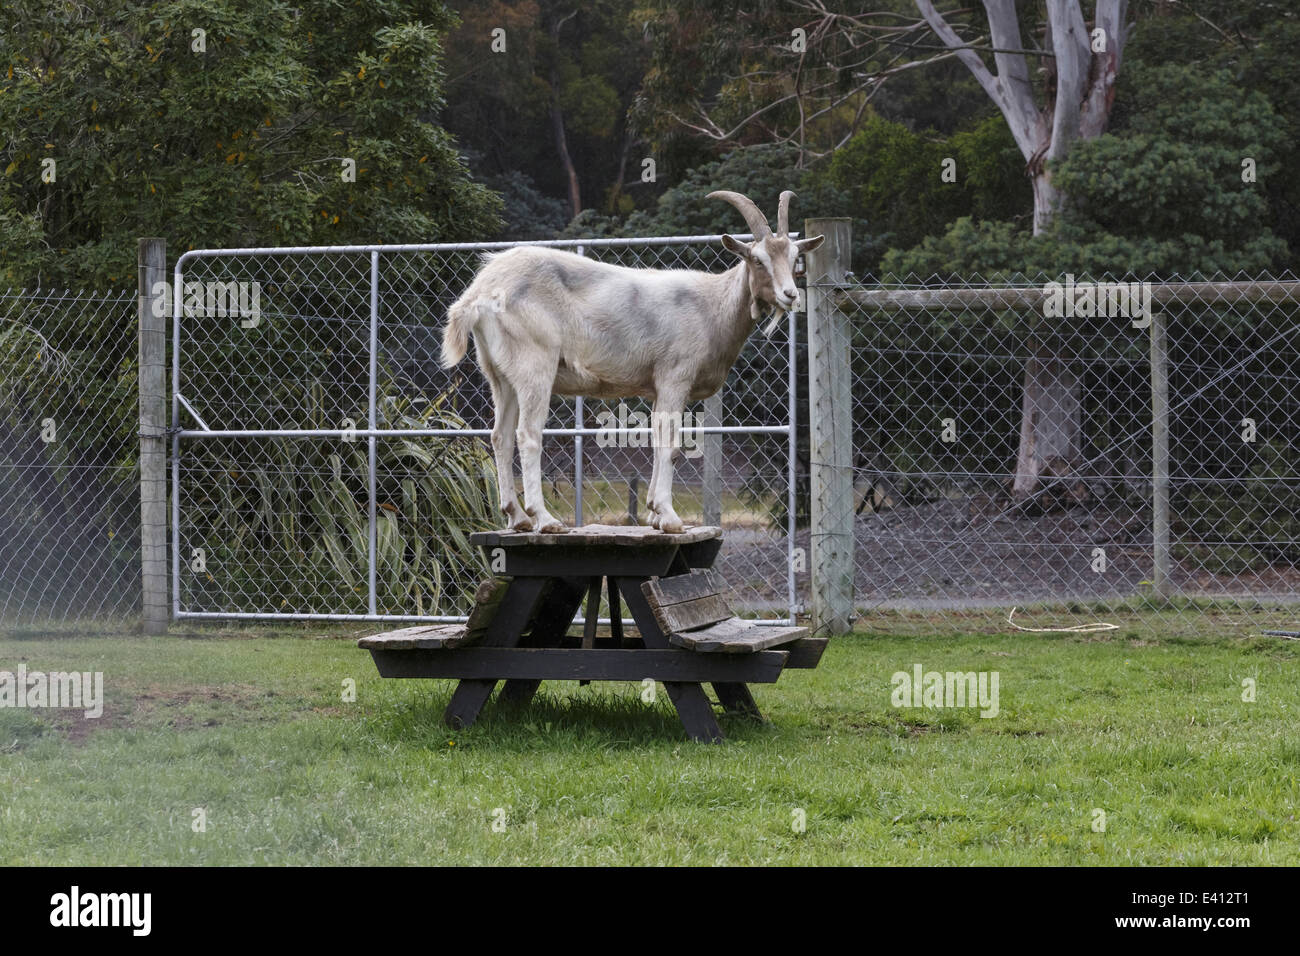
(805, 653)
(701, 554)
(651, 632)
(425, 637)
(518, 607)
(692, 615)
(633, 536)
(615, 610)
(592, 614)
(487, 600)
(438, 636)
(736, 637)
(686, 587)
(686, 602)
(586, 560)
(487, 665)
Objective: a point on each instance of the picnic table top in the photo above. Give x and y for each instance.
(637, 536)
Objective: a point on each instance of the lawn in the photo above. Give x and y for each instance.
(249, 726)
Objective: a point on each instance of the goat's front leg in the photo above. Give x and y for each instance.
(651, 517)
(533, 405)
(667, 436)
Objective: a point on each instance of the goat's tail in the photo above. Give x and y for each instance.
(461, 319)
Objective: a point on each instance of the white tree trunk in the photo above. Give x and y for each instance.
(1079, 91)
(1050, 424)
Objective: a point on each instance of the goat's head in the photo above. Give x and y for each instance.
(770, 258)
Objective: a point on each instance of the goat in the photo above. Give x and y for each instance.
(547, 322)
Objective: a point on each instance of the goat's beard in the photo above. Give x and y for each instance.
(756, 312)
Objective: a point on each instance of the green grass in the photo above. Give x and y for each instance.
(248, 724)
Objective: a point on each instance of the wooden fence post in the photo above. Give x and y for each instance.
(830, 426)
(152, 269)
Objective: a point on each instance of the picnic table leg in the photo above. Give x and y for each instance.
(554, 615)
(737, 699)
(517, 607)
(693, 706)
(695, 711)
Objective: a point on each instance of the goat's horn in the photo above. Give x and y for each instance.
(756, 220)
(783, 214)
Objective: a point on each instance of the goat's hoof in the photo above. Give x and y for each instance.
(672, 526)
(521, 524)
(554, 526)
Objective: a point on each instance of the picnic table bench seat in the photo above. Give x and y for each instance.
(433, 637)
(694, 614)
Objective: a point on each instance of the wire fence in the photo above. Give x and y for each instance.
(961, 505)
(69, 504)
(953, 519)
(328, 466)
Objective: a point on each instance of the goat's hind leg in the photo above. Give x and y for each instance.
(506, 405)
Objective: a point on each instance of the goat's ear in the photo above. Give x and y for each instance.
(806, 245)
(732, 244)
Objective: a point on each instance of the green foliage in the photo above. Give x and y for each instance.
(760, 172)
(241, 144)
(892, 179)
(1255, 43)
(526, 213)
(1164, 195)
(576, 64)
(292, 521)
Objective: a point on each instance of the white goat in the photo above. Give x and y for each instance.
(547, 322)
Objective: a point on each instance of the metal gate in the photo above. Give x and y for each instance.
(324, 466)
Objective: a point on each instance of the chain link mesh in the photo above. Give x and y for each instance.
(69, 481)
(940, 371)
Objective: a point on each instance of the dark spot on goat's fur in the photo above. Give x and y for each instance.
(685, 298)
(565, 276)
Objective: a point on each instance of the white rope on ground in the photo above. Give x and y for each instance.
(1076, 629)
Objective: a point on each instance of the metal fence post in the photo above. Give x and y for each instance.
(711, 445)
(578, 422)
(152, 269)
(830, 424)
(1160, 579)
(372, 587)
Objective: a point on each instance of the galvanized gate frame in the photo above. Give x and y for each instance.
(577, 432)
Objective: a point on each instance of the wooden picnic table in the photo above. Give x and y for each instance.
(518, 629)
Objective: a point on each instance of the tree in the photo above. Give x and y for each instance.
(1163, 194)
(1078, 84)
(543, 87)
(222, 123)
(1079, 89)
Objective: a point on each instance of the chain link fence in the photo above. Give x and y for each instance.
(69, 504)
(329, 467)
(272, 488)
(963, 511)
